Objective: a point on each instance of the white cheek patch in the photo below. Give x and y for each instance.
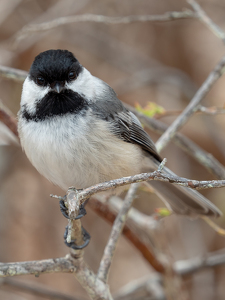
(32, 93)
(87, 85)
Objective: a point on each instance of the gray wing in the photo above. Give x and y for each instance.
(122, 122)
(128, 127)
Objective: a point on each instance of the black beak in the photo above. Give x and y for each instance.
(58, 86)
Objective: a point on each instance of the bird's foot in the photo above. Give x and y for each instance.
(64, 210)
(72, 244)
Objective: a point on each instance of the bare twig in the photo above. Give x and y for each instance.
(95, 288)
(214, 226)
(103, 210)
(57, 265)
(189, 266)
(142, 221)
(156, 175)
(68, 264)
(203, 157)
(191, 108)
(13, 74)
(168, 16)
(150, 287)
(211, 110)
(115, 234)
(206, 20)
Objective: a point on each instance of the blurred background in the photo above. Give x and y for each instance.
(163, 63)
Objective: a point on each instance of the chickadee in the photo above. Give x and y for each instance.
(76, 132)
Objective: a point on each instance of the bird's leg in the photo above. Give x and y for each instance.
(75, 236)
(72, 244)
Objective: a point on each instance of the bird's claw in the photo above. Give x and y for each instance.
(72, 244)
(64, 210)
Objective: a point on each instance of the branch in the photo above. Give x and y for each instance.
(68, 264)
(168, 16)
(103, 210)
(57, 265)
(202, 16)
(141, 221)
(13, 74)
(121, 218)
(192, 106)
(95, 288)
(189, 266)
(150, 287)
(156, 175)
(213, 110)
(115, 234)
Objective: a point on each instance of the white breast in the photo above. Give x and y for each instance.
(70, 152)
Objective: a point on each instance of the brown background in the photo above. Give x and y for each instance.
(168, 62)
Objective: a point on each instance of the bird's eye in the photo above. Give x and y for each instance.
(40, 81)
(72, 75)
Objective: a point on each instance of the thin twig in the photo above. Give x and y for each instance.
(206, 20)
(115, 234)
(103, 210)
(191, 108)
(57, 265)
(141, 221)
(13, 74)
(68, 264)
(95, 288)
(156, 175)
(189, 266)
(213, 110)
(149, 287)
(168, 16)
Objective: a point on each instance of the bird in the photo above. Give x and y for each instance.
(76, 132)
